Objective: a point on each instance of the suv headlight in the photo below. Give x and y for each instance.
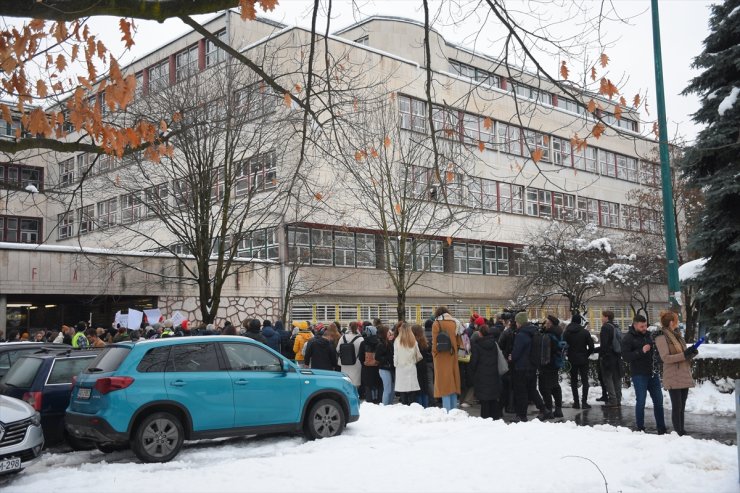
(36, 419)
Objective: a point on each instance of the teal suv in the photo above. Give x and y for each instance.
(153, 395)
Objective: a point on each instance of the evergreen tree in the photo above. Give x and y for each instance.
(713, 165)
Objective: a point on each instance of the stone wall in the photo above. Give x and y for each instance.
(234, 309)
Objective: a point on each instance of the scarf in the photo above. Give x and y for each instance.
(676, 344)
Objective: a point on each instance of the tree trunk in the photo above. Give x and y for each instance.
(401, 308)
(690, 315)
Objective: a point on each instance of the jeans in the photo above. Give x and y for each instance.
(387, 377)
(525, 390)
(644, 384)
(423, 399)
(449, 402)
(678, 408)
(575, 372)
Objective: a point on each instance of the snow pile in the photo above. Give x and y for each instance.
(410, 449)
(729, 101)
(620, 271)
(31, 189)
(599, 244)
(705, 398)
(690, 270)
(719, 351)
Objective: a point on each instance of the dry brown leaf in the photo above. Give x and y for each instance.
(7, 116)
(61, 62)
(318, 196)
(125, 27)
(593, 73)
(487, 123)
(41, 89)
(622, 101)
(537, 155)
(618, 112)
(591, 106)
(564, 70)
(481, 146)
(358, 156)
(373, 152)
(298, 88)
(449, 240)
(398, 208)
(636, 100)
(604, 60)
(387, 142)
(598, 130)
(287, 99)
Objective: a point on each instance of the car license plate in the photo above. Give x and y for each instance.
(10, 464)
(83, 393)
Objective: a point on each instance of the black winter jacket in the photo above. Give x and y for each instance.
(522, 348)
(257, 336)
(484, 369)
(506, 342)
(557, 332)
(580, 344)
(321, 354)
(384, 355)
(606, 341)
(632, 344)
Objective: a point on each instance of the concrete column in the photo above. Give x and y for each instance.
(3, 315)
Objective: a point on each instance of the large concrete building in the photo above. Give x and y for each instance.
(92, 240)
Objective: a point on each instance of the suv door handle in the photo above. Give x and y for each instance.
(177, 383)
(241, 381)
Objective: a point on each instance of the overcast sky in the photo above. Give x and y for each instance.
(684, 25)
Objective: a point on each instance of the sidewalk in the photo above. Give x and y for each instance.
(703, 426)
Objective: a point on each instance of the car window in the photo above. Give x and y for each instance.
(65, 369)
(109, 360)
(193, 357)
(250, 358)
(4, 363)
(22, 373)
(155, 360)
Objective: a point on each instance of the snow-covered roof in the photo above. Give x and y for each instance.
(690, 270)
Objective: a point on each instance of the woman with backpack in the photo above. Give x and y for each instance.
(424, 368)
(370, 373)
(348, 349)
(384, 357)
(445, 342)
(405, 356)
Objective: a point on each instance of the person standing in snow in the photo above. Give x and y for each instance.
(321, 354)
(580, 347)
(353, 336)
(610, 359)
(549, 374)
(253, 330)
(384, 357)
(370, 374)
(272, 338)
(639, 351)
(424, 368)
(484, 373)
(286, 348)
(506, 343)
(676, 359)
(524, 379)
(405, 356)
(446, 368)
(302, 337)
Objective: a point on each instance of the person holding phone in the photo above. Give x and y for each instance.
(676, 359)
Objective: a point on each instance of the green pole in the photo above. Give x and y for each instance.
(674, 287)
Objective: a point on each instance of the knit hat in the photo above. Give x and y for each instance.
(480, 321)
(521, 318)
(553, 320)
(300, 325)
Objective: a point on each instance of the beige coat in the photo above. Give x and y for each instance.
(446, 369)
(676, 369)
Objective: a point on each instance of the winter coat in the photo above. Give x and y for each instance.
(405, 359)
(522, 347)
(256, 335)
(286, 349)
(580, 344)
(354, 372)
(632, 343)
(425, 371)
(301, 338)
(676, 369)
(496, 330)
(554, 335)
(272, 338)
(606, 341)
(321, 355)
(446, 369)
(484, 369)
(506, 341)
(384, 355)
(370, 375)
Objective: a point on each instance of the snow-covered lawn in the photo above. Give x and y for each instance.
(400, 448)
(719, 351)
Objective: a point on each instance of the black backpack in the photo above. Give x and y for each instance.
(347, 351)
(539, 355)
(444, 343)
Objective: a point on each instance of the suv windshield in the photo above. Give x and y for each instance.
(22, 373)
(65, 369)
(109, 360)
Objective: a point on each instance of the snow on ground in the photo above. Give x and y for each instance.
(705, 398)
(720, 351)
(399, 448)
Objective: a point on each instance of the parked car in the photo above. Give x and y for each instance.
(11, 351)
(21, 438)
(43, 379)
(153, 395)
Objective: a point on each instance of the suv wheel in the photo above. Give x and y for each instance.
(158, 438)
(324, 420)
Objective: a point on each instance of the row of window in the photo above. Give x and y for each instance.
(496, 135)
(259, 244)
(15, 229)
(20, 176)
(535, 94)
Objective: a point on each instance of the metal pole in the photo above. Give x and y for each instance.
(674, 287)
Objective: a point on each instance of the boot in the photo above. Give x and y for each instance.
(585, 404)
(576, 404)
(558, 413)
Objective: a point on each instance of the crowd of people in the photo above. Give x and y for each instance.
(504, 363)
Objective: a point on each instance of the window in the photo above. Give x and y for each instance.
(21, 176)
(155, 199)
(496, 260)
(299, 244)
(463, 69)
(264, 244)
(649, 174)
(626, 168)
(630, 218)
(15, 229)
(30, 230)
(344, 249)
(215, 54)
(460, 257)
(186, 63)
(107, 213)
(83, 164)
(446, 121)
(539, 203)
(429, 256)
(131, 207)
(256, 100)
(67, 172)
(159, 75)
(609, 214)
(607, 163)
(65, 226)
(420, 181)
(139, 91)
(154, 361)
(181, 192)
(105, 163)
(570, 105)
(564, 206)
(413, 114)
(263, 171)
(321, 247)
(589, 156)
(512, 198)
(490, 194)
(537, 141)
(64, 370)
(363, 40)
(248, 357)
(86, 219)
(509, 138)
(395, 252)
(452, 188)
(475, 259)
(561, 152)
(218, 181)
(649, 221)
(588, 210)
(192, 358)
(365, 250)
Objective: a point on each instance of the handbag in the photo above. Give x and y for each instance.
(503, 365)
(463, 356)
